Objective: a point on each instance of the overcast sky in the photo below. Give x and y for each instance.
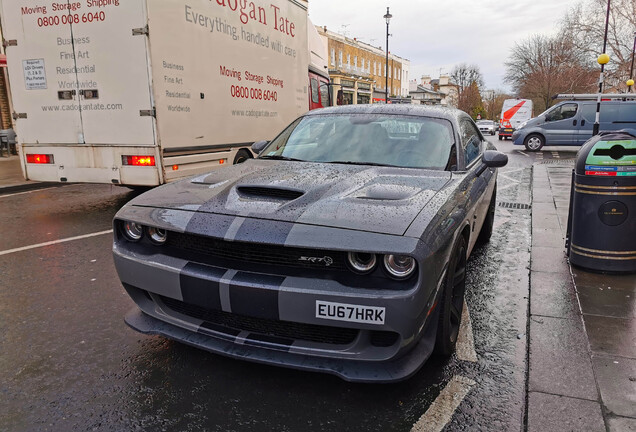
(436, 34)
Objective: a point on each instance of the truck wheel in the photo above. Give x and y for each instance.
(241, 156)
(534, 142)
(500, 137)
(452, 302)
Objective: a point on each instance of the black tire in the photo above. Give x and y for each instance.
(500, 137)
(241, 156)
(486, 228)
(452, 302)
(534, 142)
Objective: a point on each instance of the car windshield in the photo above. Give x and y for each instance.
(373, 139)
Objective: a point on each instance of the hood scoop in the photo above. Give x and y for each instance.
(269, 193)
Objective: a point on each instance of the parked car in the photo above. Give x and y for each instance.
(341, 249)
(487, 126)
(572, 123)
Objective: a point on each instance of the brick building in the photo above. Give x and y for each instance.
(359, 70)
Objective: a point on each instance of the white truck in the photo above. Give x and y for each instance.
(513, 113)
(142, 92)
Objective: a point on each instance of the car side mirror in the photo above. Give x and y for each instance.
(492, 159)
(258, 146)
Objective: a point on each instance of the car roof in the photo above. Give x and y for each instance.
(451, 114)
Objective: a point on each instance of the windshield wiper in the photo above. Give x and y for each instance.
(362, 163)
(279, 157)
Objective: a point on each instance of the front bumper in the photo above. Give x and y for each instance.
(257, 314)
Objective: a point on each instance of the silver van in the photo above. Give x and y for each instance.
(572, 122)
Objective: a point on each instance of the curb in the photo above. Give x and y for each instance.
(25, 187)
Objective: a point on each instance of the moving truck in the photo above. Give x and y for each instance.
(142, 92)
(513, 113)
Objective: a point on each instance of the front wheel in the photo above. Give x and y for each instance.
(500, 137)
(452, 303)
(489, 221)
(534, 142)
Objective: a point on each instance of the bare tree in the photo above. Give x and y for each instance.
(540, 67)
(584, 26)
(464, 75)
(494, 102)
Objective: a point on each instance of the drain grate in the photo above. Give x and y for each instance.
(557, 162)
(514, 206)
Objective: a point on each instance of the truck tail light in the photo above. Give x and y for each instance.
(40, 158)
(138, 160)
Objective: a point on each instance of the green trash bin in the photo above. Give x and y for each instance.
(601, 233)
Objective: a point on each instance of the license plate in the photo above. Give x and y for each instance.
(350, 313)
(508, 130)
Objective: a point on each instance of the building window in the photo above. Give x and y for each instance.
(333, 56)
(384, 71)
(362, 64)
(349, 60)
(375, 68)
(340, 58)
(389, 72)
(355, 62)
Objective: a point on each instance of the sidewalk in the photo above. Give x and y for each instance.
(11, 178)
(582, 360)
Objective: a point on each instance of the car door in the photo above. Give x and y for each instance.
(472, 143)
(560, 124)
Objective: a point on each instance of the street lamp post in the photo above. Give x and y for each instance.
(387, 17)
(603, 59)
(630, 81)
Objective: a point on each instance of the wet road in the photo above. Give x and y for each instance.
(68, 361)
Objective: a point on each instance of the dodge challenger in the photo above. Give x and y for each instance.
(341, 248)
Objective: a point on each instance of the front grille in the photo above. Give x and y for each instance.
(258, 253)
(281, 329)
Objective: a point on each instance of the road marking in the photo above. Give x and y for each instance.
(441, 411)
(556, 155)
(511, 170)
(54, 242)
(465, 341)
(524, 153)
(500, 188)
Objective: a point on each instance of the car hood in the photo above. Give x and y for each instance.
(375, 199)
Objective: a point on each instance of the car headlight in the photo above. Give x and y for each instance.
(362, 262)
(133, 231)
(157, 235)
(399, 266)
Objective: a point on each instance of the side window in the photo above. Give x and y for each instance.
(471, 141)
(324, 94)
(569, 110)
(314, 90)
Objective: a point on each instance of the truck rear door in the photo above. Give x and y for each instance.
(40, 63)
(78, 74)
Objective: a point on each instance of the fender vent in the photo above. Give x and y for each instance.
(514, 206)
(269, 192)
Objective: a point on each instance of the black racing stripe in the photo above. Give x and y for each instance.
(254, 339)
(255, 295)
(260, 231)
(209, 225)
(211, 329)
(200, 286)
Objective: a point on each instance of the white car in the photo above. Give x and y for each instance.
(487, 126)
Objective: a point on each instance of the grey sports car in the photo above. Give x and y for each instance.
(342, 248)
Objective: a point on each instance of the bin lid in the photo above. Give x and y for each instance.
(608, 154)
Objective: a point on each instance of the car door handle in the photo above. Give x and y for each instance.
(574, 122)
(582, 122)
